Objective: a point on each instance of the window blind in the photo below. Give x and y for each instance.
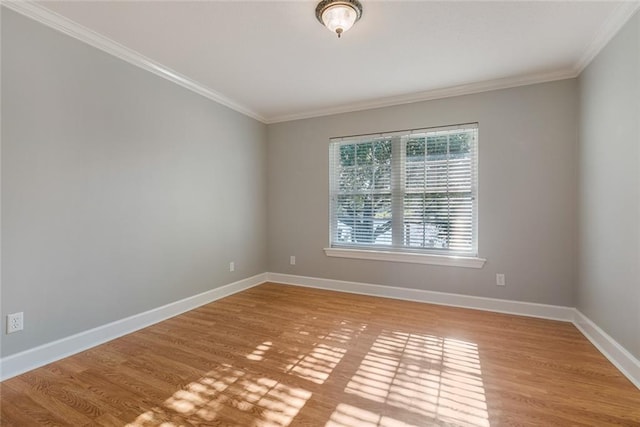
(410, 190)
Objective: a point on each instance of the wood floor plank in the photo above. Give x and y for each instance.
(278, 355)
(21, 410)
(52, 404)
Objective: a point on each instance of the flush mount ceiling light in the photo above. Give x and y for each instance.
(338, 15)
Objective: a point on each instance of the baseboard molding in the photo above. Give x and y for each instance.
(544, 311)
(610, 348)
(27, 360)
(626, 363)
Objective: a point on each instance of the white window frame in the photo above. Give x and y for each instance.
(394, 253)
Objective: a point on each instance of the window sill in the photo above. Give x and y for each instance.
(451, 261)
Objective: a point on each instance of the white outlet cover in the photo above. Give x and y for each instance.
(15, 322)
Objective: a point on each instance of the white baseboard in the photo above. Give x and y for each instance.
(626, 363)
(610, 348)
(27, 360)
(39, 356)
(544, 311)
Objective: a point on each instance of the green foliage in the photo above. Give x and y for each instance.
(365, 167)
(439, 145)
(372, 153)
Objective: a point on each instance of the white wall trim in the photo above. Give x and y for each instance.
(27, 360)
(610, 348)
(413, 258)
(626, 363)
(544, 311)
(71, 28)
(623, 12)
(449, 92)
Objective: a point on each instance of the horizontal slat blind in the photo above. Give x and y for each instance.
(408, 190)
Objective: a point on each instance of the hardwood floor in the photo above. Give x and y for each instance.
(278, 355)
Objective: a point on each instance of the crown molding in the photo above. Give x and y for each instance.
(622, 13)
(616, 20)
(464, 89)
(71, 28)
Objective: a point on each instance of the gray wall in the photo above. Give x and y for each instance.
(527, 193)
(608, 290)
(121, 191)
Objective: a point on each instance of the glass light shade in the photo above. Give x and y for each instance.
(339, 18)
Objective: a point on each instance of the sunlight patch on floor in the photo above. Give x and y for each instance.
(426, 376)
(347, 415)
(258, 354)
(397, 378)
(318, 364)
(225, 394)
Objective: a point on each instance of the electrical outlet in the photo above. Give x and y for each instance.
(292, 260)
(232, 266)
(15, 322)
(500, 280)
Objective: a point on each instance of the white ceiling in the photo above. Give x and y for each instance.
(274, 61)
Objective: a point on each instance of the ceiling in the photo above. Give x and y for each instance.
(274, 61)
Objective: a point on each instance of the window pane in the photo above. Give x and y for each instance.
(364, 219)
(415, 164)
(415, 149)
(437, 146)
(437, 221)
(364, 167)
(363, 206)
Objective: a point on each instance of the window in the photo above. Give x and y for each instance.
(407, 192)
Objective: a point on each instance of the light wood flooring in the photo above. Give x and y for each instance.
(279, 355)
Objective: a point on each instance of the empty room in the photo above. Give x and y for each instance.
(320, 213)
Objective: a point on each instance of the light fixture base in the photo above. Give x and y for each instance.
(324, 5)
